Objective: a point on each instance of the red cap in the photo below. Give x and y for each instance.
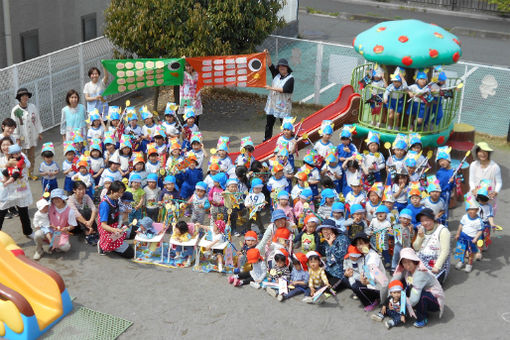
(281, 233)
(253, 256)
(352, 250)
(311, 216)
(302, 259)
(250, 235)
(395, 286)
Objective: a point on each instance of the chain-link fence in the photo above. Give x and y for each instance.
(50, 76)
(321, 69)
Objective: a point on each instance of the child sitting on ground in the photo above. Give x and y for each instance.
(394, 307)
(298, 277)
(250, 241)
(353, 267)
(181, 234)
(258, 272)
(318, 278)
(42, 224)
(279, 271)
(337, 216)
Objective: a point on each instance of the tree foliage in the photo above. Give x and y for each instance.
(503, 5)
(172, 28)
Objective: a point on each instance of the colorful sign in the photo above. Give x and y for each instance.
(135, 74)
(247, 70)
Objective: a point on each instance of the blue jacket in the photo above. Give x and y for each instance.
(190, 178)
(342, 154)
(334, 255)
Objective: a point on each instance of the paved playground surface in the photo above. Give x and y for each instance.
(170, 303)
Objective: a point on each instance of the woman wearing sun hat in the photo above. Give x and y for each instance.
(279, 103)
(334, 249)
(432, 244)
(485, 168)
(29, 128)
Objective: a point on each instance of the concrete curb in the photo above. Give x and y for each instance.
(455, 30)
(480, 33)
(405, 6)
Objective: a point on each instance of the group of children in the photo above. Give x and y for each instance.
(359, 191)
(424, 99)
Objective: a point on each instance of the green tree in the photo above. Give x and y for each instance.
(503, 5)
(173, 28)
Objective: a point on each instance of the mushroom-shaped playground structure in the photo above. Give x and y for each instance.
(409, 44)
(407, 47)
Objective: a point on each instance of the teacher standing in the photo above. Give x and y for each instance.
(279, 103)
(28, 126)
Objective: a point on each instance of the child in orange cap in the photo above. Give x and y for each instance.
(298, 277)
(280, 270)
(308, 239)
(250, 241)
(393, 307)
(318, 278)
(258, 273)
(353, 266)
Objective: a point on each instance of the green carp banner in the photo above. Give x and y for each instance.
(135, 74)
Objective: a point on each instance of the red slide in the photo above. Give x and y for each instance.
(343, 110)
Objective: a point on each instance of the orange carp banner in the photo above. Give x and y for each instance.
(245, 70)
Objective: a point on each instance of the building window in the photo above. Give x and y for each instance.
(88, 27)
(30, 44)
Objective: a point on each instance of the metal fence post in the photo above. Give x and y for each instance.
(318, 73)
(276, 46)
(15, 79)
(82, 70)
(51, 92)
(462, 94)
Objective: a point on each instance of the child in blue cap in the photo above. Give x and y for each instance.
(151, 197)
(199, 203)
(436, 109)
(403, 233)
(418, 93)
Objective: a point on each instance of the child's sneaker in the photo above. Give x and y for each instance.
(389, 324)
(237, 234)
(421, 324)
(371, 307)
(468, 268)
(231, 279)
(308, 299)
(255, 285)
(99, 250)
(459, 265)
(280, 297)
(271, 292)
(377, 317)
(37, 255)
(354, 297)
(237, 282)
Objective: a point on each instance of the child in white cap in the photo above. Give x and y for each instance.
(42, 225)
